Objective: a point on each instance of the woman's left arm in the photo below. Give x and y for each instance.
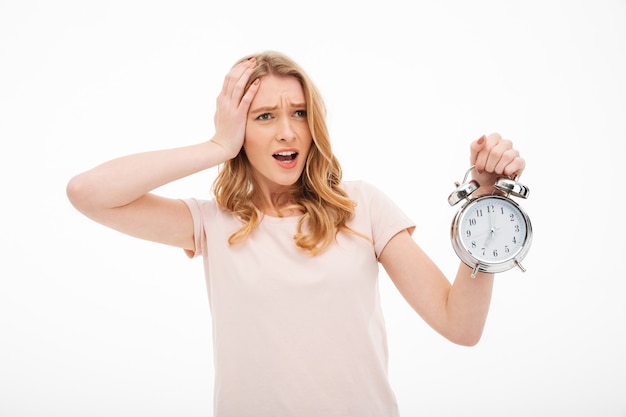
(459, 310)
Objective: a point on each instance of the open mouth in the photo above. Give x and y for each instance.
(285, 156)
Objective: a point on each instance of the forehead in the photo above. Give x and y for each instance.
(275, 89)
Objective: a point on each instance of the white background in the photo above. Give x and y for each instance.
(95, 323)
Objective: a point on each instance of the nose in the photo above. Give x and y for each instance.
(286, 132)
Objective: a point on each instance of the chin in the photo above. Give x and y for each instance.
(287, 180)
(288, 183)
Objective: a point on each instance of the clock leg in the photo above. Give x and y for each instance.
(475, 271)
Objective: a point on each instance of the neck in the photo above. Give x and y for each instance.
(277, 204)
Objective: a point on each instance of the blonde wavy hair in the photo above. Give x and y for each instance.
(325, 206)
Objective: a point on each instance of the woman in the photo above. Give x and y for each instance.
(291, 251)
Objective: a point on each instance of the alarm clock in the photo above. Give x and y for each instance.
(490, 233)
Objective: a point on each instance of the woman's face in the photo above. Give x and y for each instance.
(277, 138)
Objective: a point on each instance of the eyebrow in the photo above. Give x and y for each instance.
(265, 109)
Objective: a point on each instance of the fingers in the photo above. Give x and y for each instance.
(236, 79)
(246, 100)
(475, 147)
(496, 155)
(233, 104)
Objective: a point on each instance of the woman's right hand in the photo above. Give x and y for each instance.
(118, 193)
(232, 108)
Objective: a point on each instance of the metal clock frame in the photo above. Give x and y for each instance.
(463, 192)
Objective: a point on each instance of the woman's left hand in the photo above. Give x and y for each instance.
(494, 157)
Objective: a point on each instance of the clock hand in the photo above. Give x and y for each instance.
(492, 230)
(491, 233)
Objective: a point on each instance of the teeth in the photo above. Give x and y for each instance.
(285, 153)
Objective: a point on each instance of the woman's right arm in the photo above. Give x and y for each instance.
(118, 194)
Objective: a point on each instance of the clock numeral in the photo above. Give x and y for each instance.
(479, 213)
(473, 244)
(514, 240)
(506, 249)
(468, 233)
(491, 208)
(495, 253)
(472, 222)
(512, 217)
(516, 227)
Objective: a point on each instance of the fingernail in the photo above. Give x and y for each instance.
(481, 140)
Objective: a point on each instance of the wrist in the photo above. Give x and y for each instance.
(220, 151)
(223, 149)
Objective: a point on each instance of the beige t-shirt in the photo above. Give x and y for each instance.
(296, 335)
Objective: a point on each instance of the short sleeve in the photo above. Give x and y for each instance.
(198, 227)
(386, 219)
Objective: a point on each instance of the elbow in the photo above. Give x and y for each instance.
(74, 191)
(79, 192)
(468, 342)
(466, 338)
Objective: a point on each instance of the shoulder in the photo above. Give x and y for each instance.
(363, 192)
(206, 208)
(376, 213)
(202, 205)
(368, 197)
(358, 189)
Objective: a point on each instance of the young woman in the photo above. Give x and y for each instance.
(291, 252)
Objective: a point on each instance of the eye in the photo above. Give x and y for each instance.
(264, 116)
(300, 113)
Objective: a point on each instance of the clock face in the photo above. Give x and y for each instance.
(492, 230)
